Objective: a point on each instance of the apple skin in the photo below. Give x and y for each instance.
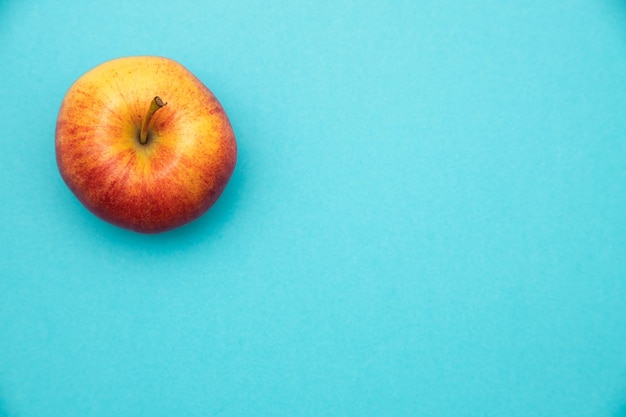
(150, 188)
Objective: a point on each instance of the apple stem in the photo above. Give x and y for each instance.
(155, 105)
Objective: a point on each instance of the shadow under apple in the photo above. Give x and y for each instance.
(207, 226)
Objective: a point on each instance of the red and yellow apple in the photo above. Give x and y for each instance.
(143, 144)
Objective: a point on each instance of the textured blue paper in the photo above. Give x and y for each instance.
(427, 217)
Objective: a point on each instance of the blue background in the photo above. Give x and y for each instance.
(427, 217)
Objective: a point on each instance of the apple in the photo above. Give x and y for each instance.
(143, 144)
